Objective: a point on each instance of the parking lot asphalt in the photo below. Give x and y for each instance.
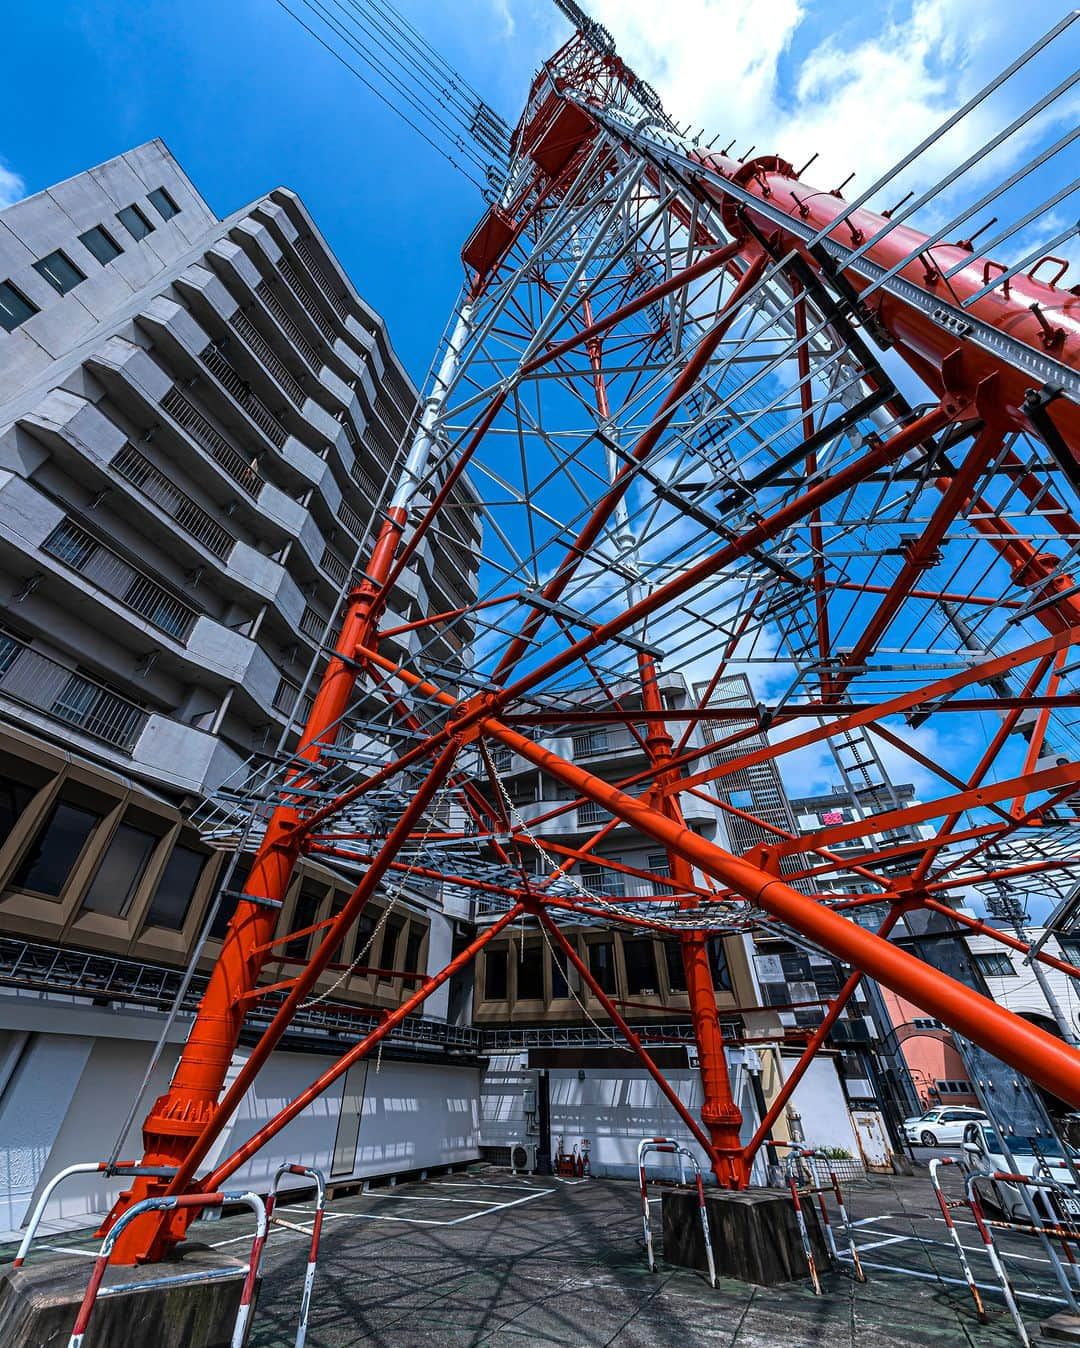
(486, 1257)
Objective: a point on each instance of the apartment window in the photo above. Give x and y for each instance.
(304, 915)
(393, 929)
(530, 972)
(1070, 948)
(60, 272)
(639, 957)
(55, 850)
(14, 798)
(230, 898)
(994, 964)
(15, 308)
(602, 965)
(176, 888)
(721, 974)
(119, 871)
(673, 962)
(100, 244)
(495, 970)
(560, 984)
(413, 943)
(926, 1023)
(365, 925)
(953, 1087)
(163, 203)
(134, 222)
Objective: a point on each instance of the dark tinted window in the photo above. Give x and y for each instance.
(99, 243)
(119, 871)
(602, 964)
(640, 958)
(47, 865)
(163, 203)
(391, 931)
(495, 975)
(676, 970)
(530, 972)
(365, 925)
(721, 974)
(412, 948)
(134, 222)
(176, 888)
(60, 272)
(304, 915)
(15, 308)
(229, 899)
(559, 965)
(14, 798)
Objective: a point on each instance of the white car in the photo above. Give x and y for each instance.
(983, 1155)
(941, 1127)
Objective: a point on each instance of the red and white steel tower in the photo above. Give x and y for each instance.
(715, 417)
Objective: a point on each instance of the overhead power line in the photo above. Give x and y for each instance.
(396, 63)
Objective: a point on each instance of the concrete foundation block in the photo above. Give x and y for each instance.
(190, 1301)
(1064, 1327)
(755, 1236)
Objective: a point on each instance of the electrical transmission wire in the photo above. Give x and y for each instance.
(395, 62)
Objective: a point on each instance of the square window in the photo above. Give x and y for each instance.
(134, 222)
(100, 244)
(60, 272)
(176, 888)
(55, 850)
(120, 871)
(640, 959)
(1070, 949)
(163, 203)
(15, 308)
(495, 975)
(602, 964)
(995, 963)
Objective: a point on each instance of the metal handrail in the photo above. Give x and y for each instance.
(316, 1234)
(188, 514)
(668, 1146)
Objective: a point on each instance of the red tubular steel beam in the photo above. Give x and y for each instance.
(1045, 1059)
(358, 1051)
(196, 1148)
(630, 1037)
(813, 1044)
(924, 344)
(1037, 1054)
(647, 442)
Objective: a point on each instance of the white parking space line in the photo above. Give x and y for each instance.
(486, 1209)
(955, 1282)
(68, 1249)
(877, 1244)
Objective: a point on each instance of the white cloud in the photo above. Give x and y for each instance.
(12, 187)
(860, 101)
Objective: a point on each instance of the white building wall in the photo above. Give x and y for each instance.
(68, 1096)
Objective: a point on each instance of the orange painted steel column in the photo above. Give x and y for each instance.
(719, 1112)
(1031, 1051)
(187, 1109)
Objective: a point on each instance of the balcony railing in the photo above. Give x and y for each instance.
(351, 520)
(364, 481)
(70, 543)
(212, 441)
(319, 272)
(270, 359)
(188, 514)
(240, 391)
(313, 623)
(335, 566)
(34, 680)
(308, 300)
(350, 431)
(288, 324)
(287, 701)
(590, 814)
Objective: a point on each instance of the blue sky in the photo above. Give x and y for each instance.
(246, 100)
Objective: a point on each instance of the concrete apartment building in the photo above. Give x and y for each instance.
(197, 418)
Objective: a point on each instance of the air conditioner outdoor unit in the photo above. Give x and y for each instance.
(523, 1158)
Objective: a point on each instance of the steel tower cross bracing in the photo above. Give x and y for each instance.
(745, 350)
